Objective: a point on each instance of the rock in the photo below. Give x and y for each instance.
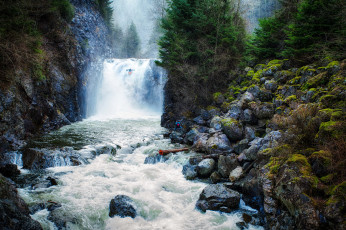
(241, 146)
(176, 137)
(50, 206)
(219, 143)
(106, 150)
(247, 218)
(246, 98)
(206, 167)
(232, 128)
(122, 206)
(270, 85)
(14, 212)
(9, 170)
(205, 114)
(236, 174)
(251, 153)
(190, 136)
(218, 198)
(200, 142)
(190, 171)
(155, 158)
(248, 117)
(216, 123)
(265, 111)
(249, 133)
(60, 218)
(195, 160)
(234, 112)
(225, 165)
(265, 95)
(215, 177)
(199, 120)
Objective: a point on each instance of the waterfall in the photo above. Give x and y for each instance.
(130, 88)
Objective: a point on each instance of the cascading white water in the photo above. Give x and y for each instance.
(130, 88)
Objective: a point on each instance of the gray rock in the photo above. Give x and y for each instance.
(190, 171)
(247, 97)
(232, 128)
(200, 142)
(206, 167)
(236, 174)
(190, 136)
(270, 85)
(218, 198)
(199, 120)
(234, 112)
(176, 137)
(265, 95)
(254, 90)
(251, 153)
(264, 111)
(122, 206)
(241, 146)
(154, 158)
(250, 133)
(205, 114)
(215, 177)
(216, 123)
(60, 218)
(249, 117)
(225, 165)
(219, 143)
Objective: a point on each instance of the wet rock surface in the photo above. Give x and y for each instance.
(122, 206)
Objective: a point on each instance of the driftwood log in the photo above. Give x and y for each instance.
(165, 152)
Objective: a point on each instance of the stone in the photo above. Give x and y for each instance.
(270, 85)
(205, 115)
(199, 120)
(215, 177)
(176, 137)
(60, 218)
(232, 128)
(241, 146)
(236, 174)
(190, 136)
(206, 167)
(254, 90)
(234, 112)
(189, 171)
(14, 212)
(249, 133)
(246, 98)
(219, 143)
(200, 142)
(9, 170)
(216, 123)
(264, 111)
(155, 158)
(265, 95)
(249, 117)
(122, 206)
(108, 149)
(225, 165)
(218, 197)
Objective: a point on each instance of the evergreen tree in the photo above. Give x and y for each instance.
(203, 40)
(106, 11)
(131, 42)
(318, 30)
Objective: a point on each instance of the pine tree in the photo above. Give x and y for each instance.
(131, 42)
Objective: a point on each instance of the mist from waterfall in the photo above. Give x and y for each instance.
(130, 88)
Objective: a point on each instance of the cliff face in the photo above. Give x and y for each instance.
(30, 105)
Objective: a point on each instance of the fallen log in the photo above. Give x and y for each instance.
(165, 152)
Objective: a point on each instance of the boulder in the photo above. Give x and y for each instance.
(199, 120)
(190, 171)
(122, 206)
(176, 137)
(190, 136)
(60, 218)
(225, 165)
(218, 197)
(155, 158)
(232, 128)
(9, 170)
(216, 123)
(241, 146)
(219, 143)
(206, 167)
(236, 174)
(254, 90)
(215, 177)
(200, 142)
(249, 133)
(270, 85)
(234, 112)
(265, 95)
(264, 111)
(249, 117)
(246, 98)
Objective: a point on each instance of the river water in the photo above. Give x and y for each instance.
(164, 199)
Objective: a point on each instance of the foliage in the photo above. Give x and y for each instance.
(131, 42)
(65, 9)
(202, 41)
(106, 10)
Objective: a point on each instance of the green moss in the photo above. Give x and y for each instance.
(324, 156)
(260, 67)
(328, 179)
(65, 8)
(291, 98)
(320, 80)
(275, 62)
(250, 73)
(257, 76)
(295, 80)
(228, 122)
(211, 108)
(37, 72)
(234, 89)
(337, 115)
(329, 129)
(333, 64)
(274, 165)
(230, 99)
(225, 106)
(217, 95)
(328, 100)
(298, 158)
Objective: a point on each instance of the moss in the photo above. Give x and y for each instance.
(320, 80)
(228, 122)
(324, 156)
(217, 95)
(260, 67)
(250, 73)
(333, 64)
(225, 106)
(230, 99)
(291, 98)
(328, 100)
(274, 165)
(329, 129)
(38, 72)
(234, 89)
(257, 76)
(328, 179)
(211, 108)
(337, 115)
(298, 158)
(65, 8)
(339, 190)
(245, 83)
(295, 80)
(275, 62)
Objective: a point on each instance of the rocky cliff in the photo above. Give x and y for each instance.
(64, 56)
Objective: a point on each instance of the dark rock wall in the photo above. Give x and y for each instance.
(74, 55)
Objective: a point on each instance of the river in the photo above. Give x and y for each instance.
(164, 199)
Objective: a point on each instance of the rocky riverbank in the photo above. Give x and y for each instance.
(277, 136)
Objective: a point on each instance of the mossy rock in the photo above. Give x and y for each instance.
(320, 80)
(327, 114)
(291, 98)
(330, 129)
(328, 100)
(232, 128)
(283, 76)
(218, 98)
(256, 78)
(260, 67)
(320, 162)
(328, 178)
(250, 73)
(275, 62)
(333, 67)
